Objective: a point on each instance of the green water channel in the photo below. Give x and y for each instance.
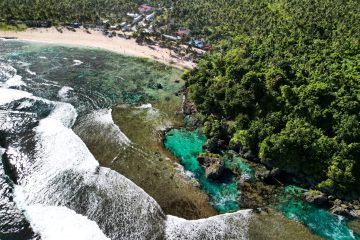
(187, 145)
(319, 220)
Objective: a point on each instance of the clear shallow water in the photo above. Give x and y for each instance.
(187, 145)
(320, 221)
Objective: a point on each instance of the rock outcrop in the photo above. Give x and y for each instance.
(316, 197)
(214, 166)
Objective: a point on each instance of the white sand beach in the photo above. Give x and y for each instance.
(96, 39)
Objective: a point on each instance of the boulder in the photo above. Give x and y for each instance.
(338, 210)
(267, 175)
(357, 213)
(316, 197)
(213, 166)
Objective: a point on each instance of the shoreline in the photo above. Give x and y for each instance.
(95, 39)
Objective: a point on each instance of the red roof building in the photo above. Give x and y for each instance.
(143, 9)
(183, 32)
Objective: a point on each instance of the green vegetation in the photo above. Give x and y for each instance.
(285, 85)
(65, 10)
(8, 27)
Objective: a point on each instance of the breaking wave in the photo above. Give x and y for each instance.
(61, 190)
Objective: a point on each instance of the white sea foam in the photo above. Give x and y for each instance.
(9, 95)
(65, 171)
(26, 66)
(59, 223)
(100, 122)
(77, 62)
(188, 175)
(30, 72)
(104, 118)
(25, 104)
(15, 81)
(64, 113)
(64, 92)
(2, 151)
(62, 171)
(58, 146)
(6, 71)
(224, 226)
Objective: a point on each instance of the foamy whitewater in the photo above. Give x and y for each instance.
(225, 226)
(57, 185)
(64, 93)
(77, 62)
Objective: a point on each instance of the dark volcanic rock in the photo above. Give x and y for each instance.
(213, 166)
(215, 144)
(339, 210)
(268, 176)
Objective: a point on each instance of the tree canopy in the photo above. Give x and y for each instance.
(285, 85)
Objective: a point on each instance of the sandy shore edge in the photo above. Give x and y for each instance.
(97, 40)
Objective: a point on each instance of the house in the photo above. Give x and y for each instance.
(150, 17)
(145, 9)
(149, 30)
(198, 44)
(132, 15)
(126, 28)
(183, 32)
(75, 24)
(114, 27)
(171, 38)
(137, 19)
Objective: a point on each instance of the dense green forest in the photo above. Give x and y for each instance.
(66, 10)
(284, 86)
(282, 83)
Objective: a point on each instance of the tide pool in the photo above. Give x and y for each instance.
(319, 220)
(186, 146)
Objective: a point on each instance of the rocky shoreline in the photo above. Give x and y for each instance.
(257, 192)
